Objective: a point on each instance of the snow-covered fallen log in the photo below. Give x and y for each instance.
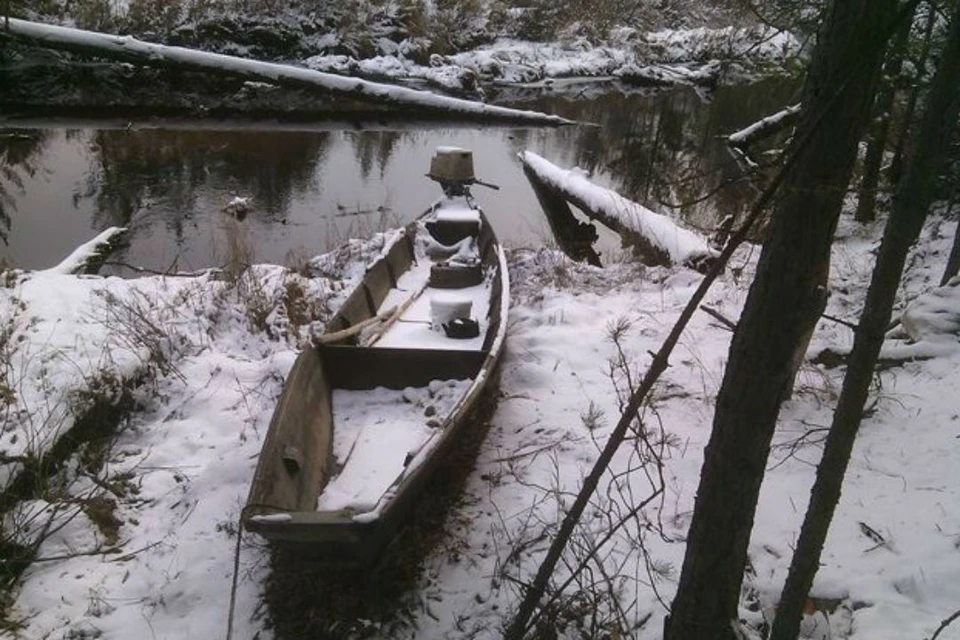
(764, 127)
(574, 238)
(89, 257)
(935, 315)
(129, 49)
(670, 74)
(658, 239)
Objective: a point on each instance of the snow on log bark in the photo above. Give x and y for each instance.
(657, 75)
(89, 257)
(657, 238)
(575, 238)
(764, 127)
(129, 49)
(935, 315)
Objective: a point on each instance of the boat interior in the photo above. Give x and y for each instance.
(442, 273)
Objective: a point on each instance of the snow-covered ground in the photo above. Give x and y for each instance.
(179, 471)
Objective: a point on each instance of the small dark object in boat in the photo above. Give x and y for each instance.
(462, 328)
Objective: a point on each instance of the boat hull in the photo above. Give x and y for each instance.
(296, 461)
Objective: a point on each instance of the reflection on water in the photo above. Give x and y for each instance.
(18, 162)
(311, 189)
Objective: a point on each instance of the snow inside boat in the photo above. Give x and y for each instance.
(369, 411)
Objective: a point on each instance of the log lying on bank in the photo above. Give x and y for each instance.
(90, 256)
(935, 315)
(131, 50)
(656, 238)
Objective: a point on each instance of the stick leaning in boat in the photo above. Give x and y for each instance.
(395, 315)
(337, 336)
(385, 320)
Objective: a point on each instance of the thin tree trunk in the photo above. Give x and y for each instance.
(920, 63)
(785, 300)
(867, 201)
(911, 203)
(521, 622)
(953, 262)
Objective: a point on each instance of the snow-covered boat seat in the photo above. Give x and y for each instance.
(458, 215)
(452, 224)
(349, 367)
(452, 275)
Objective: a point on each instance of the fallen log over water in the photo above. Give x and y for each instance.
(656, 238)
(90, 256)
(131, 50)
(764, 127)
(574, 237)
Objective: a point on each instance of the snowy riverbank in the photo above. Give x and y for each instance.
(503, 69)
(142, 533)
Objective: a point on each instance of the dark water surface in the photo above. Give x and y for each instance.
(312, 187)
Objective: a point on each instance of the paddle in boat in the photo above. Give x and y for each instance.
(370, 410)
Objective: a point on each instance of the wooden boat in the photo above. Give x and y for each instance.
(370, 410)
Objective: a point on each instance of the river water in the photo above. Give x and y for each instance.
(312, 186)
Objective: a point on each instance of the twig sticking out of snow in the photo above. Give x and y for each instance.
(90, 256)
(946, 623)
(129, 49)
(659, 239)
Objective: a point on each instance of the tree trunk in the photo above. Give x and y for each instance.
(953, 262)
(867, 202)
(785, 300)
(911, 203)
(920, 63)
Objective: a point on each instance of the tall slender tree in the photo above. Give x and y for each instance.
(919, 81)
(953, 262)
(877, 142)
(784, 302)
(911, 202)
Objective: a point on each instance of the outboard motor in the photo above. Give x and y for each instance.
(452, 167)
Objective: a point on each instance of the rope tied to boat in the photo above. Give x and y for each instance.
(236, 563)
(236, 573)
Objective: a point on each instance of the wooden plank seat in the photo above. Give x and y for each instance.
(446, 275)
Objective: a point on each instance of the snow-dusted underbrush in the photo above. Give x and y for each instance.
(559, 400)
(579, 340)
(288, 28)
(89, 363)
(139, 530)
